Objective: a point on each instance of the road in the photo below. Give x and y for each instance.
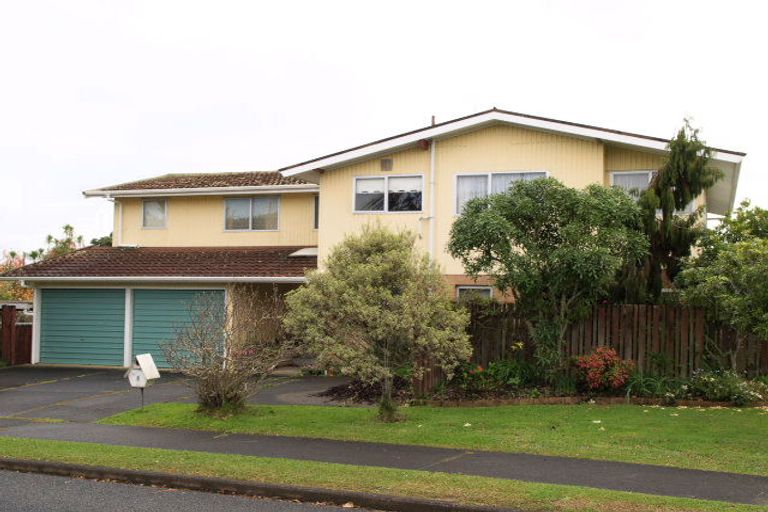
(27, 492)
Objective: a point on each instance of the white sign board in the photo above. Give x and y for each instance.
(136, 378)
(147, 365)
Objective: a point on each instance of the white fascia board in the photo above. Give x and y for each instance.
(204, 191)
(306, 251)
(160, 279)
(489, 117)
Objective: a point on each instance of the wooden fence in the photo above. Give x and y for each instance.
(15, 337)
(673, 340)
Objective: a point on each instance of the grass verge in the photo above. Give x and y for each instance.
(454, 488)
(722, 439)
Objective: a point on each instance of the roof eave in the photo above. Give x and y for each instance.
(470, 122)
(203, 191)
(160, 279)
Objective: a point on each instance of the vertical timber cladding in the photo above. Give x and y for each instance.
(82, 326)
(159, 314)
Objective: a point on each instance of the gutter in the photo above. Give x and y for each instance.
(203, 191)
(158, 279)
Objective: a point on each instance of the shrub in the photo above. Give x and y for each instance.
(727, 386)
(668, 389)
(505, 375)
(604, 370)
(228, 353)
(379, 305)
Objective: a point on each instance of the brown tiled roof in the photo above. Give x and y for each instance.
(208, 180)
(132, 262)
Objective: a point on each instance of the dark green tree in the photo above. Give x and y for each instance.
(685, 175)
(104, 241)
(727, 274)
(555, 249)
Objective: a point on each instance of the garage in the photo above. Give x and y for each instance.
(87, 326)
(159, 314)
(104, 305)
(82, 326)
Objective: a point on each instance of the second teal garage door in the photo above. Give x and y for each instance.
(159, 314)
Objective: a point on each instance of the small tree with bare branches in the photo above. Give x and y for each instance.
(228, 352)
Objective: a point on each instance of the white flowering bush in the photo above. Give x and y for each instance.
(727, 386)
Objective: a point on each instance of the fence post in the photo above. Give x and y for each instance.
(9, 332)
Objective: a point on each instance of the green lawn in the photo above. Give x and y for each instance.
(454, 488)
(715, 439)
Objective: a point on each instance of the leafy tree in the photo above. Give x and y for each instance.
(685, 175)
(378, 307)
(555, 249)
(727, 276)
(104, 241)
(64, 245)
(731, 285)
(57, 246)
(12, 290)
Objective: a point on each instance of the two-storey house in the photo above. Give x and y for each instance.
(179, 235)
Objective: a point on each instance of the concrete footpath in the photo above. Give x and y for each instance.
(619, 476)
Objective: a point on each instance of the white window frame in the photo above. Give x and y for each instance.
(473, 287)
(250, 214)
(650, 174)
(165, 213)
(386, 193)
(489, 175)
(632, 172)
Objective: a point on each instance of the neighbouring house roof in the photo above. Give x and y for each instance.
(204, 183)
(720, 198)
(193, 264)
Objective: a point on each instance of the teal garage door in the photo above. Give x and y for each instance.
(158, 315)
(82, 326)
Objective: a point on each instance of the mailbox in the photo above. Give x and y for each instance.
(142, 374)
(137, 378)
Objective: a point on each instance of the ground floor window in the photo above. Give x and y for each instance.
(466, 292)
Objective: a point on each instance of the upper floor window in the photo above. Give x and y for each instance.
(389, 194)
(254, 214)
(471, 186)
(154, 213)
(635, 182)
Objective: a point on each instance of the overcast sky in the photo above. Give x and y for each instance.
(97, 93)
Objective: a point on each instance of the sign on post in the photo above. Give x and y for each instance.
(147, 365)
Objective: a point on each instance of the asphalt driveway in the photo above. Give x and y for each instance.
(77, 394)
(85, 395)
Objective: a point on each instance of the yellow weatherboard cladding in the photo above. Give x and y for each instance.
(198, 221)
(575, 161)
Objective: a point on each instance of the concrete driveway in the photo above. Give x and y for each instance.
(85, 395)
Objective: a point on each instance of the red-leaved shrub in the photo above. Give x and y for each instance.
(604, 370)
